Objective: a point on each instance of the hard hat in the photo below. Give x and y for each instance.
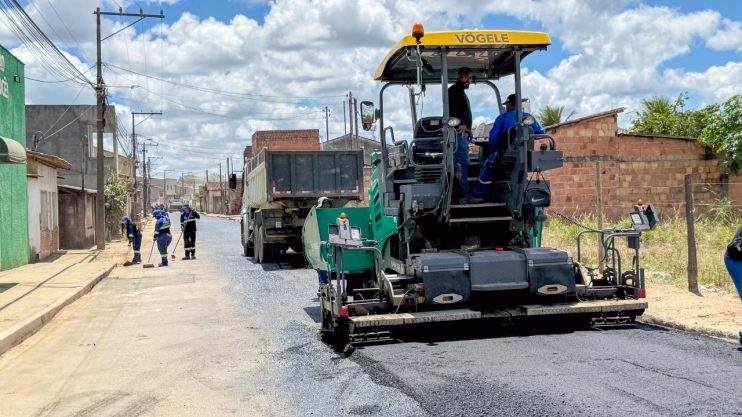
(157, 214)
(640, 202)
(186, 205)
(342, 215)
(125, 219)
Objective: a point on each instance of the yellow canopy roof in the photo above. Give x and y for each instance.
(488, 52)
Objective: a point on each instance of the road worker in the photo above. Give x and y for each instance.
(135, 238)
(503, 124)
(733, 262)
(162, 235)
(458, 107)
(188, 218)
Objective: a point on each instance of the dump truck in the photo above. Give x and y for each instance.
(280, 188)
(417, 255)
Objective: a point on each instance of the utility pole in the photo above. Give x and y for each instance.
(164, 186)
(206, 194)
(327, 124)
(100, 198)
(135, 209)
(148, 203)
(355, 114)
(350, 114)
(221, 188)
(144, 177)
(345, 122)
(100, 203)
(226, 189)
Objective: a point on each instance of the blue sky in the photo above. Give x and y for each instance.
(605, 54)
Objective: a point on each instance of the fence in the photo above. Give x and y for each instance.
(683, 201)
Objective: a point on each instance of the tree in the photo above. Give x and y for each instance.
(117, 198)
(660, 116)
(723, 132)
(549, 115)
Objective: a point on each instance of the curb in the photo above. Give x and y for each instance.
(28, 327)
(718, 334)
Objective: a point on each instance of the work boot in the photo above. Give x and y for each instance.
(137, 259)
(163, 263)
(185, 258)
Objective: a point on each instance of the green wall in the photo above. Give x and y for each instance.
(13, 204)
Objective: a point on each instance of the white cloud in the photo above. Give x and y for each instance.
(615, 51)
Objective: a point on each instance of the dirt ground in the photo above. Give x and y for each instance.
(715, 312)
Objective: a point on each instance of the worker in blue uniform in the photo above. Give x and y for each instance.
(503, 123)
(733, 262)
(162, 235)
(135, 238)
(188, 218)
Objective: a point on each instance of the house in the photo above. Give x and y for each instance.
(13, 183)
(348, 142)
(214, 197)
(283, 140)
(629, 167)
(68, 131)
(43, 204)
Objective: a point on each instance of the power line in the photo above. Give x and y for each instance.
(48, 55)
(65, 111)
(248, 96)
(73, 121)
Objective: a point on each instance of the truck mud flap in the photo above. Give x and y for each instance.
(598, 308)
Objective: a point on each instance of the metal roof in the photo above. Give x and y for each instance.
(12, 152)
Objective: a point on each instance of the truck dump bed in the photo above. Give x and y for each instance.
(282, 175)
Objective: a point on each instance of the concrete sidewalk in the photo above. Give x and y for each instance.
(32, 294)
(234, 217)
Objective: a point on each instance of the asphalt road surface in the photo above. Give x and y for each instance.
(223, 336)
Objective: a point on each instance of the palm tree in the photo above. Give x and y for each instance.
(658, 115)
(552, 115)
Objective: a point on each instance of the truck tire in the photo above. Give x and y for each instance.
(268, 254)
(246, 249)
(259, 247)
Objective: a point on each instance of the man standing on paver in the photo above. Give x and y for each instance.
(188, 218)
(162, 235)
(135, 238)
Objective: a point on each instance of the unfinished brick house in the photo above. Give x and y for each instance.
(651, 167)
(283, 140)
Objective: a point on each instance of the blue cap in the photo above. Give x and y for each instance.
(125, 219)
(185, 205)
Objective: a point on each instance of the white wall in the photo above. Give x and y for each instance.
(34, 218)
(43, 210)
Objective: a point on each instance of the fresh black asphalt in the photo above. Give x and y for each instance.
(466, 370)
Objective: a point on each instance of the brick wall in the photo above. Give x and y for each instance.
(632, 166)
(284, 140)
(49, 242)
